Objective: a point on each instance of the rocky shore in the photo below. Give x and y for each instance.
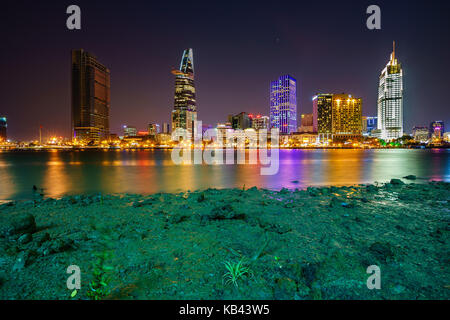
(296, 244)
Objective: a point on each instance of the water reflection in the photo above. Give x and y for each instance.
(61, 173)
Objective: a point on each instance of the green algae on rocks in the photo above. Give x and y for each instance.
(301, 244)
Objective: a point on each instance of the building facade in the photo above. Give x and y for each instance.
(3, 129)
(390, 100)
(130, 131)
(307, 123)
(260, 122)
(437, 129)
(322, 113)
(240, 121)
(346, 116)
(283, 104)
(166, 128)
(153, 129)
(184, 114)
(421, 134)
(90, 97)
(371, 124)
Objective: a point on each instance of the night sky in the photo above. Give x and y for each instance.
(239, 47)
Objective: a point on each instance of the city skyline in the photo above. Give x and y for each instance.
(235, 64)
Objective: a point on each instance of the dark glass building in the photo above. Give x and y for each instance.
(184, 114)
(90, 98)
(240, 121)
(323, 113)
(3, 126)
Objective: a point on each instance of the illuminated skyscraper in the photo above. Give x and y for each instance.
(3, 126)
(346, 116)
(90, 97)
(184, 114)
(322, 113)
(337, 115)
(390, 100)
(283, 104)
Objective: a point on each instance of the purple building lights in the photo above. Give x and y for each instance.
(283, 104)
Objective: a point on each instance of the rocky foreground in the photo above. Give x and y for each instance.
(303, 244)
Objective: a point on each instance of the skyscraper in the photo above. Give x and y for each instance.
(184, 114)
(283, 104)
(322, 113)
(3, 126)
(90, 97)
(346, 116)
(390, 100)
(166, 128)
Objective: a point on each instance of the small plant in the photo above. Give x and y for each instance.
(98, 287)
(235, 272)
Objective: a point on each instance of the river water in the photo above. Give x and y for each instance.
(149, 171)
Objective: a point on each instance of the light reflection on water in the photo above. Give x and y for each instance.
(61, 173)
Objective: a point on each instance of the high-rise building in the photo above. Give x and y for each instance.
(129, 131)
(240, 121)
(437, 129)
(364, 125)
(153, 129)
(307, 123)
(90, 97)
(184, 114)
(283, 104)
(390, 100)
(166, 128)
(322, 113)
(3, 127)
(260, 122)
(421, 134)
(346, 116)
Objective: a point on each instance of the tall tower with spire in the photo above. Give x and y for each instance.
(184, 114)
(390, 100)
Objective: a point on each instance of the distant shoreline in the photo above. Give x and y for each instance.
(171, 148)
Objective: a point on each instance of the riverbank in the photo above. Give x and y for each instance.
(303, 244)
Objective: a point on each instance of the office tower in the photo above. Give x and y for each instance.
(364, 125)
(283, 104)
(240, 121)
(166, 128)
(153, 129)
(421, 134)
(346, 116)
(184, 114)
(307, 123)
(90, 97)
(129, 131)
(437, 129)
(322, 113)
(260, 122)
(371, 124)
(3, 127)
(390, 100)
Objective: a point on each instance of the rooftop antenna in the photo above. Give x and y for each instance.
(393, 52)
